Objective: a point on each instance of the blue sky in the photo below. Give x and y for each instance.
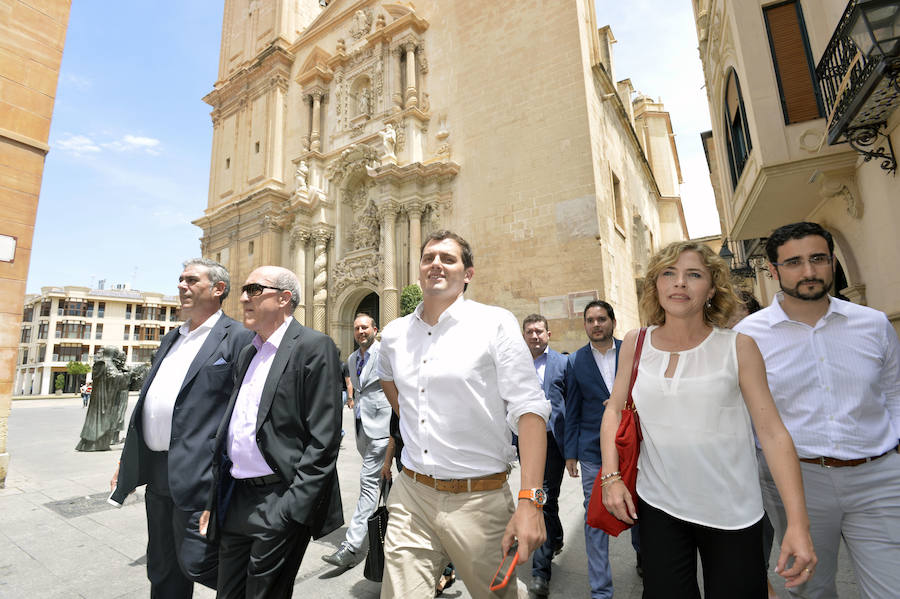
(130, 139)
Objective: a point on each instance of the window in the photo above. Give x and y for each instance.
(139, 312)
(68, 307)
(42, 330)
(101, 309)
(142, 354)
(127, 313)
(127, 330)
(69, 353)
(227, 163)
(618, 208)
(25, 356)
(28, 314)
(250, 248)
(794, 68)
(99, 333)
(219, 257)
(737, 132)
(42, 353)
(173, 314)
(45, 307)
(153, 313)
(72, 330)
(26, 335)
(257, 147)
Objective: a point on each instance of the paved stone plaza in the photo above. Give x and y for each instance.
(60, 539)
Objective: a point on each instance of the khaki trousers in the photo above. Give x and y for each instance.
(429, 528)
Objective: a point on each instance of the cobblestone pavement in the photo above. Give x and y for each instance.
(60, 539)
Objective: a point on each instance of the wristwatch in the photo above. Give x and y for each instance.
(536, 496)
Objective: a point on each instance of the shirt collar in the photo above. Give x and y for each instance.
(543, 355)
(185, 329)
(600, 353)
(275, 338)
(777, 314)
(453, 311)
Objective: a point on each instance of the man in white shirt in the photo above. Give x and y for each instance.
(461, 378)
(373, 420)
(167, 445)
(834, 371)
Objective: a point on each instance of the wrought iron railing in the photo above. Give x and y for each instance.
(841, 73)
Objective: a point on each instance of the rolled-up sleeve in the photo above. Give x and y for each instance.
(516, 377)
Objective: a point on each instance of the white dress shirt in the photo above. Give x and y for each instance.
(247, 461)
(836, 384)
(606, 364)
(159, 403)
(463, 384)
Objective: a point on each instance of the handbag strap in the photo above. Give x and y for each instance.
(629, 403)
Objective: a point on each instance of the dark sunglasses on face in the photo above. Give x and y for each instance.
(254, 289)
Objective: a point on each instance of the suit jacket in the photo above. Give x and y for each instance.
(298, 432)
(198, 410)
(374, 408)
(585, 393)
(555, 390)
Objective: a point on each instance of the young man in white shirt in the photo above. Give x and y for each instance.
(461, 378)
(834, 371)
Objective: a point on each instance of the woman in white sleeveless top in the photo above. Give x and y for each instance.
(698, 388)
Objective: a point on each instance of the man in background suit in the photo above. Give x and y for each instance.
(373, 419)
(592, 370)
(277, 445)
(551, 370)
(167, 444)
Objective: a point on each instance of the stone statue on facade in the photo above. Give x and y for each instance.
(301, 177)
(365, 231)
(364, 102)
(105, 416)
(389, 141)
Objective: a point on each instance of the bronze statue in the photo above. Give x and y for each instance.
(105, 416)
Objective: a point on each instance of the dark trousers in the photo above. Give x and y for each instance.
(177, 556)
(733, 566)
(554, 468)
(259, 555)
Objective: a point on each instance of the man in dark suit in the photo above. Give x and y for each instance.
(551, 369)
(592, 370)
(373, 421)
(277, 445)
(167, 444)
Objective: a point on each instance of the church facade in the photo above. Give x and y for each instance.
(343, 134)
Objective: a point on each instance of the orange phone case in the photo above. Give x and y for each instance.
(512, 559)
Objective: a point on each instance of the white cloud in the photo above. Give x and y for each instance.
(134, 142)
(78, 82)
(77, 144)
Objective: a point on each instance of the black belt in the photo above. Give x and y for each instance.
(261, 481)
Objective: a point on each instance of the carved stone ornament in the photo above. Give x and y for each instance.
(839, 186)
(356, 156)
(361, 23)
(357, 270)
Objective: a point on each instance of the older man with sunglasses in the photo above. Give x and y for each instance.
(834, 371)
(277, 445)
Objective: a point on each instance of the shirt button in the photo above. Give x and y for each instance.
(424, 361)
(423, 421)
(423, 390)
(429, 333)
(426, 451)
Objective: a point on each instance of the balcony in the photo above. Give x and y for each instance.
(858, 78)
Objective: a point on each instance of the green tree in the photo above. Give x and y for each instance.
(59, 382)
(78, 368)
(409, 299)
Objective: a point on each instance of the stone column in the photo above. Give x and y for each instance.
(299, 239)
(314, 143)
(411, 99)
(320, 280)
(389, 296)
(397, 77)
(414, 211)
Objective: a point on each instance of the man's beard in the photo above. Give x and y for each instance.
(810, 296)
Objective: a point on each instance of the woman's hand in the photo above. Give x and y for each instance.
(618, 501)
(796, 543)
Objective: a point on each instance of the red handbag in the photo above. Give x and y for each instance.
(628, 445)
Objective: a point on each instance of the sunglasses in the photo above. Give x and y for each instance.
(254, 289)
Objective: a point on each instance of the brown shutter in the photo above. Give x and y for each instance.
(791, 56)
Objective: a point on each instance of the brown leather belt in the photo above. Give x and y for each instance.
(490, 482)
(836, 463)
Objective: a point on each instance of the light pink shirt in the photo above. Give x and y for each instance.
(247, 461)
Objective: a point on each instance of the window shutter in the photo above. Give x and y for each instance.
(790, 53)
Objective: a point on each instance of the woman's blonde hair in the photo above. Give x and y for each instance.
(720, 306)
